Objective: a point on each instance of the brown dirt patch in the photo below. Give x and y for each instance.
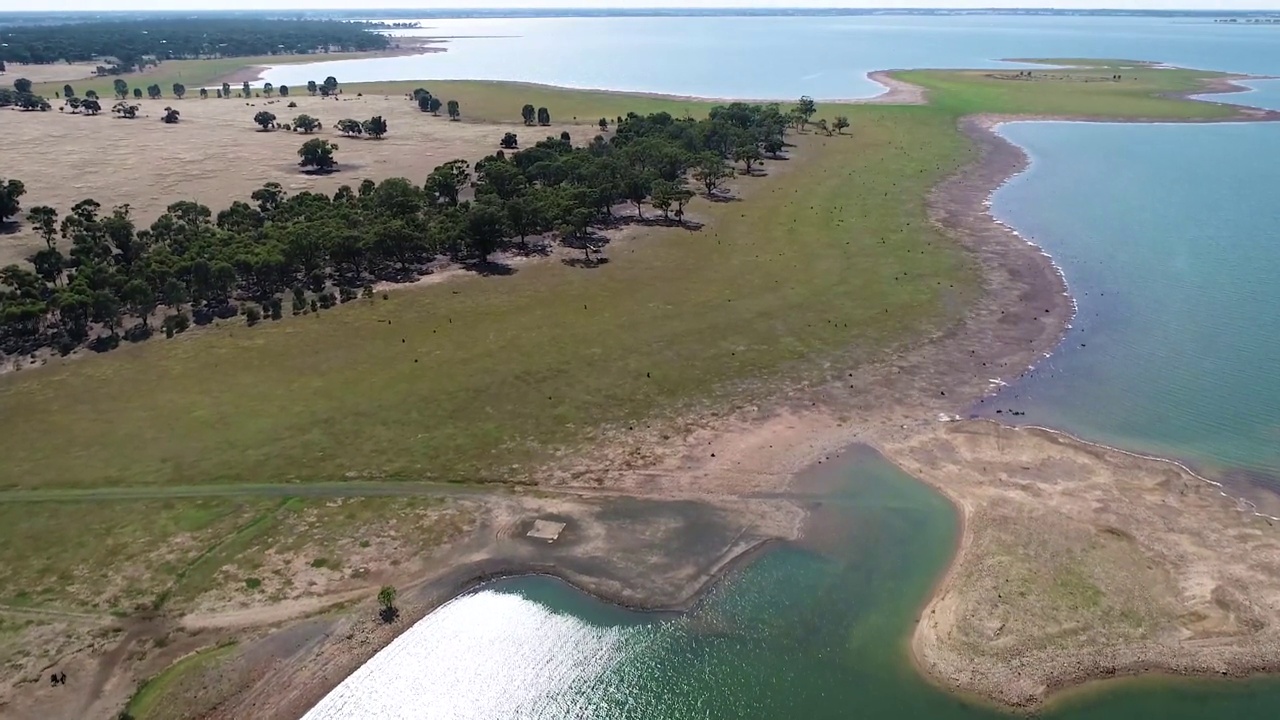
(216, 154)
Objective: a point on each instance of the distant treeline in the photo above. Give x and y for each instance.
(168, 39)
(304, 252)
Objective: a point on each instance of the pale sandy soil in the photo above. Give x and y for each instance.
(403, 47)
(216, 154)
(53, 72)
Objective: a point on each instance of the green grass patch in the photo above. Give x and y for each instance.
(104, 556)
(462, 380)
(164, 695)
(1142, 92)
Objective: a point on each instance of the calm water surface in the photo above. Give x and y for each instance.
(1167, 236)
(786, 57)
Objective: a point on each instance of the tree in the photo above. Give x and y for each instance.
(841, 123)
(604, 124)
(140, 299)
(544, 116)
(91, 106)
(635, 189)
(68, 92)
(375, 127)
(91, 95)
(486, 226)
(74, 103)
(424, 101)
(268, 89)
(204, 93)
(9, 193)
(822, 125)
(435, 106)
(454, 112)
(179, 90)
(171, 116)
(125, 110)
(311, 87)
(153, 91)
(387, 601)
(317, 153)
(137, 93)
(748, 155)
(773, 146)
(226, 90)
(121, 87)
(528, 113)
(711, 171)
(22, 86)
(284, 91)
(330, 84)
(306, 124)
(445, 182)
(45, 220)
(509, 141)
(805, 109)
(265, 119)
(348, 127)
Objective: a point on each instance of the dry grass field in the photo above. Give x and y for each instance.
(216, 154)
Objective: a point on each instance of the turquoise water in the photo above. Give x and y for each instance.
(785, 57)
(1169, 237)
(799, 633)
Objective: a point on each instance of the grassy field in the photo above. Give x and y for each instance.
(462, 381)
(1072, 91)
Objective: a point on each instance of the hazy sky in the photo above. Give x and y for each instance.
(347, 5)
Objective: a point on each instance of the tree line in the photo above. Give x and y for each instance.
(130, 43)
(100, 278)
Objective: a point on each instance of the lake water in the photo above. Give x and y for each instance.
(757, 57)
(1167, 236)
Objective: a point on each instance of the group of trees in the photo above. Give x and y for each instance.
(99, 277)
(375, 127)
(542, 116)
(133, 43)
(21, 96)
(432, 104)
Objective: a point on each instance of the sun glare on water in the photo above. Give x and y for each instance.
(484, 655)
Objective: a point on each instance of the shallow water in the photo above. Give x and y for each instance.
(799, 633)
(785, 57)
(1169, 237)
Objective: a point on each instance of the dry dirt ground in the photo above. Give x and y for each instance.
(54, 72)
(216, 154)
(1081, 562)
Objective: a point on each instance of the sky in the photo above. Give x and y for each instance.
(54, 5)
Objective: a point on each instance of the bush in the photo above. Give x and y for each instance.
(138, 333)
(346, 294)
(252, 315)
(292, 104)
(275, 308)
